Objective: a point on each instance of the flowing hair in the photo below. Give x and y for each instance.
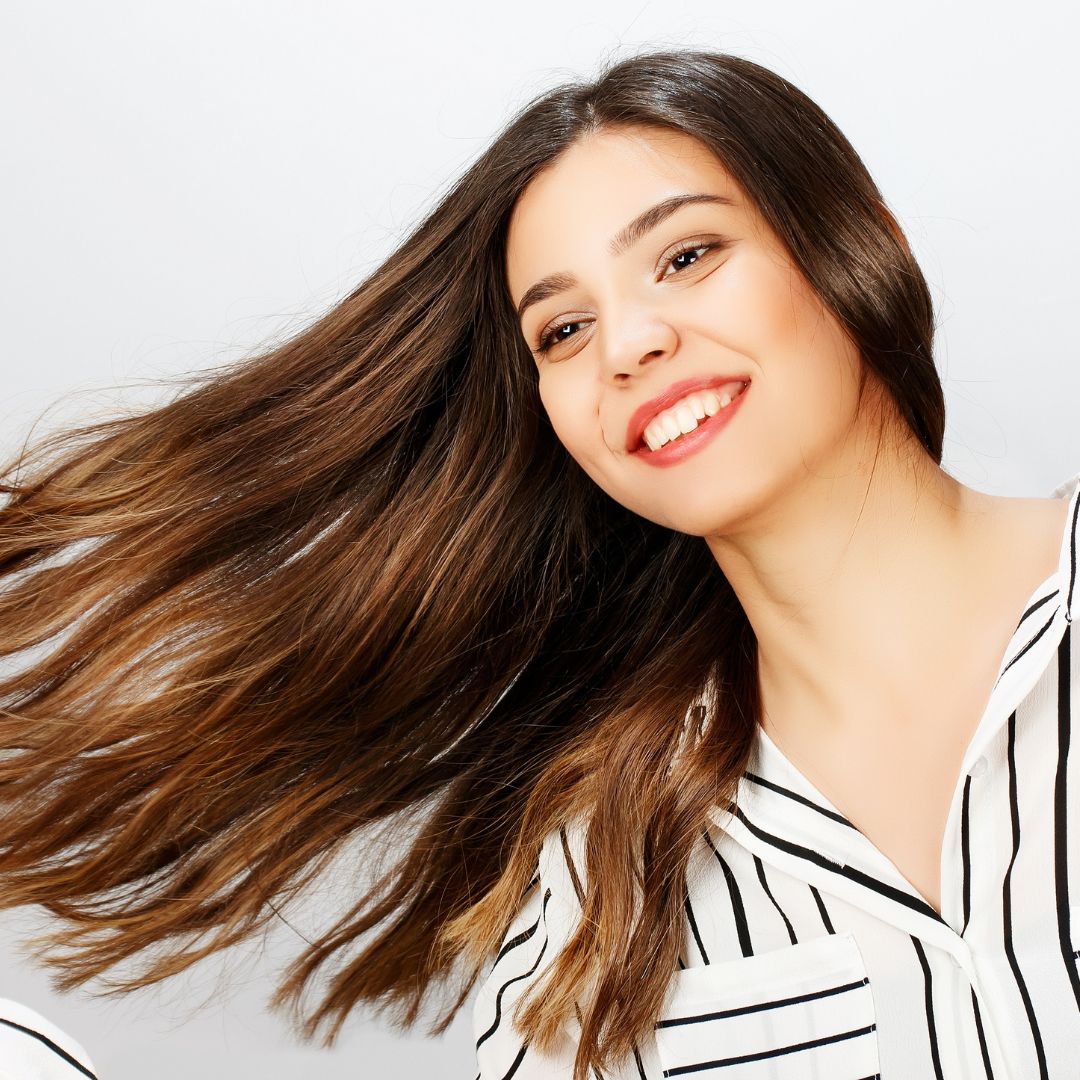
(354, 586)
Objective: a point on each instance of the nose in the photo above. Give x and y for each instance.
(633, 337)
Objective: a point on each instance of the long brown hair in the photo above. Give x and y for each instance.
(354, 584)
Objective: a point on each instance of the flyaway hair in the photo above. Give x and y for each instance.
(354, 587)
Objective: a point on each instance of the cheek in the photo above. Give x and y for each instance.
(763, 302)
(803, 352)
(573, 416)
(827, 370)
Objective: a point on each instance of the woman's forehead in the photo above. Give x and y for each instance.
(615, 170)
(599, 184)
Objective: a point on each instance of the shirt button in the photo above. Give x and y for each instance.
(979, 767)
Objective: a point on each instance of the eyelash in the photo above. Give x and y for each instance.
(547, 340)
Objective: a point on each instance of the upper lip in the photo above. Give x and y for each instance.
(665, 399)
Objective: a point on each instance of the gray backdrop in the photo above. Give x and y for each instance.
(186, 181)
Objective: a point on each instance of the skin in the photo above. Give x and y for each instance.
(854, 573)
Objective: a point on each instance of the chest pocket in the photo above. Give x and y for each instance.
(802, 1012)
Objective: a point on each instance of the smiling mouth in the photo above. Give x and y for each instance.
(709, 402)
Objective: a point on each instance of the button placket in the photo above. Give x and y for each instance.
(953, 1008)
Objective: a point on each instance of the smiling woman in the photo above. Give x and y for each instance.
(681, 299)
(621, 474)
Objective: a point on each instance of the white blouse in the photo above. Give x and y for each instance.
(807, 954)
(33, 1048)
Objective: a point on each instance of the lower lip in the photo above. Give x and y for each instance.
(671, 453)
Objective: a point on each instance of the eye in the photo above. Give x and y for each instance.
(553, 335)
(691, 250)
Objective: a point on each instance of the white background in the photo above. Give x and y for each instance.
(183, 183)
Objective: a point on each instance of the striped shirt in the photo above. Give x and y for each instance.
(806, 953)
(33, 1048)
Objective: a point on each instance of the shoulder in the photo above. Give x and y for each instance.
(31, 1046)
(546, 918)
(549, 908)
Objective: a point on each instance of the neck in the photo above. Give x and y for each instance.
(855, 578)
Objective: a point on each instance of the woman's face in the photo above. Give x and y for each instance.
(704, 293)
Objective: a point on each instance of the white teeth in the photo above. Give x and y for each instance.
(684, 417)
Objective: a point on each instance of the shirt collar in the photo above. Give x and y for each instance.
(784, 819)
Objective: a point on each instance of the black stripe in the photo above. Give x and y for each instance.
(1061, 805)
(794, 795)
(761, 1006)
(965, 849)
(1006, 903)
(517, 978)
(640, 1067)
(1035, 607)
(928, 997)
(694, 928)
(763, 1054)
(742, 927)
(1072, 562)
(517, 940)
(822, 910)
(532, 885)
(982, 1038)
(768, 893)
(916, 903)
(46, 1041)
(579, 892)
(516, 1063)
(1030, 645)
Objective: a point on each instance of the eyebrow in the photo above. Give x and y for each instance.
(626, 237)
